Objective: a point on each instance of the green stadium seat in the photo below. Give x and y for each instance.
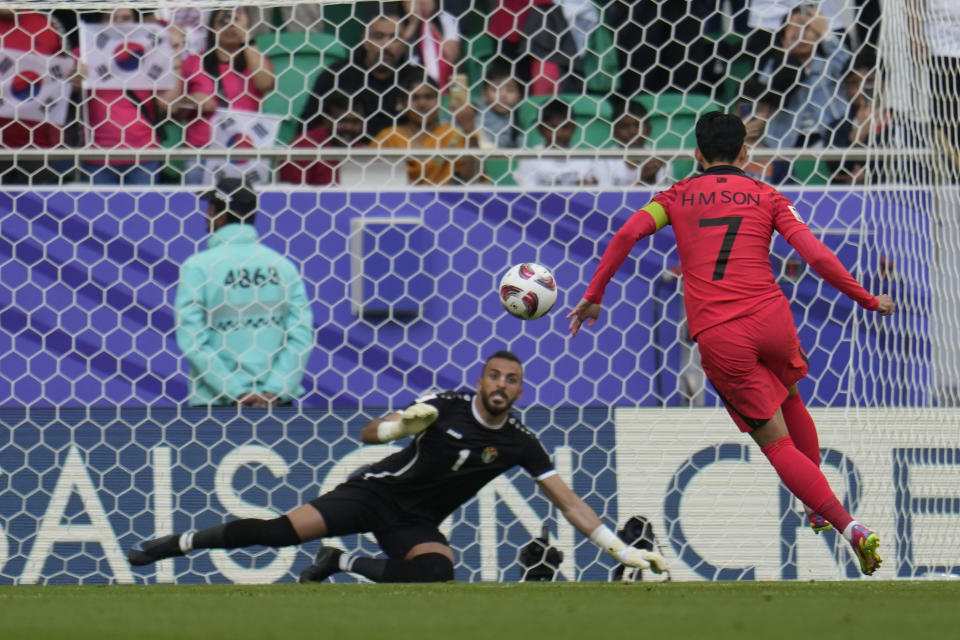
(478, 50)
(582, 107)
(738, 71)
(499, 171)
(601, 65)
(173, 135)
(297, 60)
(677, 103)
(810, 172)
(590, 134)
(339, 18)
(592, 114)
(672, 116)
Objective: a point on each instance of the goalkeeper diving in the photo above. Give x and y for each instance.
(461, 441)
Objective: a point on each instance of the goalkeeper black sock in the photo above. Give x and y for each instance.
(372, 568)
(428, 567)
(247, 532)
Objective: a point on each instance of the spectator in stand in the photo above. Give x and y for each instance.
(758, 21)
(190, 25)
(516, 24)
(345, 130)
(501, 95)
(297, 18)
(662, 46)
(755, 117)
(865, 119)
(34, 32)
(433, 37)
(231, 74)
(557, 130)
(371, 74)
(125, 119)
(421, 129)
(556, 37)
(934, 28)
(631, 131)
(583, 16)
(244, 322)
(802, 82)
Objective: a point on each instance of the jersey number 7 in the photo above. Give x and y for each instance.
(732, 223)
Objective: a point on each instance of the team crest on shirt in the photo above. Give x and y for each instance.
(488, 455)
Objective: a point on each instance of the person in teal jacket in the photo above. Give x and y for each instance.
(244, 323)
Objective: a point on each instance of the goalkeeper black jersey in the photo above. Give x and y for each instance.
(450, 461)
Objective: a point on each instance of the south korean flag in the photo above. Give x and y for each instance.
(126, 56)
(34, 87)
(233, 129)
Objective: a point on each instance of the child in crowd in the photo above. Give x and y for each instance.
(231, 74)
(631, 131)
(557, 130)
(421, 128)
(501, 95)
(125, 119)
(345, 129)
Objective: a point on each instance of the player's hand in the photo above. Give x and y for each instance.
(417, 417)
(585, 310)
(642, 559)
(253, 400)
(886, 305)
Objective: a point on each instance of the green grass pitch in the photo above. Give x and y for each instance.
(866, 609)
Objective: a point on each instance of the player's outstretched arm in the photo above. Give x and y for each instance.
(409, 422)
(580, 515)
(647, 220)
(829, 267)
(584, 311)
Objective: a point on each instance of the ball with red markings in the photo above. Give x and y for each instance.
(528, 290)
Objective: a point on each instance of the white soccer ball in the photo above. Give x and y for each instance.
(528, 290)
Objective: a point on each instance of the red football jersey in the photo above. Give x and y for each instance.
(724, 221)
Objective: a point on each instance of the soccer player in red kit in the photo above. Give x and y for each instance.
(723, 221)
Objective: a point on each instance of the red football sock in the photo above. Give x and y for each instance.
(805, 480)
(801, 427)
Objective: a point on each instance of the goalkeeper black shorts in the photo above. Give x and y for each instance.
(354, 508)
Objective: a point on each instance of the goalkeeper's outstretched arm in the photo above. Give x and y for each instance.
(587, 522)
(409, 422)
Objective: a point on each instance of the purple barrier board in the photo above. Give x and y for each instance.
(88, 281)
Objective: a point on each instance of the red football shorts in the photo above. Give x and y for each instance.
(751, 361)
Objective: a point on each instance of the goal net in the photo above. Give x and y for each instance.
(402, 157)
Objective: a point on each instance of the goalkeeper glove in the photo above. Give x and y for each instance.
(412, 421)
(607, 540)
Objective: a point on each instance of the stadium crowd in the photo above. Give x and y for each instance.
(449, 74)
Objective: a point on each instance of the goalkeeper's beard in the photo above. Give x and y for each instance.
(495, 412)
